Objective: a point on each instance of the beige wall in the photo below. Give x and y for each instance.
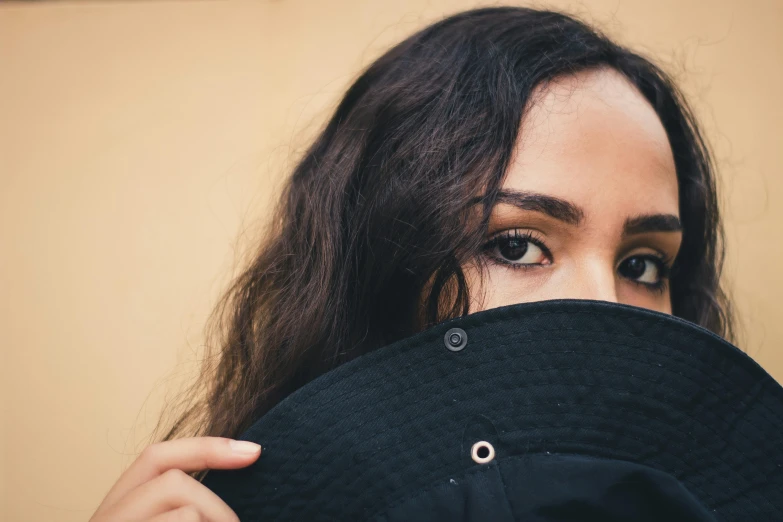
(138, 140)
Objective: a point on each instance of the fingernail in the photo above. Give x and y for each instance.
(244, 447)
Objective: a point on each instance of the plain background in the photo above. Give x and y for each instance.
(142, 142)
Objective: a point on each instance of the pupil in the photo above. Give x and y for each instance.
(634, 267)
(514, 249)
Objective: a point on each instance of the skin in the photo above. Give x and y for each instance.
(593, 142)
(157, 488)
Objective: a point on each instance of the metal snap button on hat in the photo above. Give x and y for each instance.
(455, 339)
(482, 452)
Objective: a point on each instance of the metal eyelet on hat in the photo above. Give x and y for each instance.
(456, 339)
(482, 452)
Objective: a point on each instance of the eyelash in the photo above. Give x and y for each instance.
(662, 262)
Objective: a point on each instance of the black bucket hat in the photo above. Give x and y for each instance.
(557, 410)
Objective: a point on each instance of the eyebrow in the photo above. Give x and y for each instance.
(571, 214)
(652, 223)
(557, 208)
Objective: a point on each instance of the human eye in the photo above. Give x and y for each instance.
(517, 249)
(649, 270)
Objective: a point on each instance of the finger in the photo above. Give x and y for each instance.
(172, 490)
(183, 514)
(188, 454)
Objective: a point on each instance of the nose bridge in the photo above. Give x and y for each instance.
(597, 280)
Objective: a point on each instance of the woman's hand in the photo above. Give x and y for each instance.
(156, 487)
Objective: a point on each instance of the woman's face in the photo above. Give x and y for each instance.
(590, 203)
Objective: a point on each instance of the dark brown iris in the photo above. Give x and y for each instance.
(633, 267)
(513, 249)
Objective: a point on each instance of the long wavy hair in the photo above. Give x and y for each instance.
(373, 226)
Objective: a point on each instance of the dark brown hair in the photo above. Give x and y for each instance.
(372, 227)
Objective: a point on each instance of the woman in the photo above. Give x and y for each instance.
(499, 156)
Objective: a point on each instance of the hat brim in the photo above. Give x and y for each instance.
(557, 377)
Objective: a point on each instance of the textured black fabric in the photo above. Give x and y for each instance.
(570, 394)
(543, 488)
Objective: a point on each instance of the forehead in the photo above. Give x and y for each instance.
(593, 139)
